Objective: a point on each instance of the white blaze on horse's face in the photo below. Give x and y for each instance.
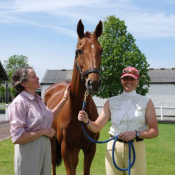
(92, 46)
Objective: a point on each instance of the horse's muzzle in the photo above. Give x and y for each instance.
(93, 87)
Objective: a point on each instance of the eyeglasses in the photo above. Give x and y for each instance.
(134, 72)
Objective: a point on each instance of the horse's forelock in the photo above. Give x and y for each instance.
(88, 34)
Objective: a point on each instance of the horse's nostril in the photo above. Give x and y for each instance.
(89, 82)
(95, 85)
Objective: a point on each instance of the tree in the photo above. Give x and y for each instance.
(2, 93)
(120, 51)
(12, 92)
(13, 63)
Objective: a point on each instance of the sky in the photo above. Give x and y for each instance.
(45, 30)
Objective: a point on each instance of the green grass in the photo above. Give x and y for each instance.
(6, 157)
(161, 151)
(2, 104)
(160, 154)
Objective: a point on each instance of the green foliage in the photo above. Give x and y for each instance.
(2, 91)
(15, 62)
(12, 92)
(120, 51)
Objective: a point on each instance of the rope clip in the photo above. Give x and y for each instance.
(85, 95)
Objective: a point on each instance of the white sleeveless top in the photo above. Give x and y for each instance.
(127, 112)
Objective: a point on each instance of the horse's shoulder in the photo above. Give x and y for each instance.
(54, 89)
(56, 86)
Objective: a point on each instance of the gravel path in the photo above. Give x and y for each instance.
(4, 130)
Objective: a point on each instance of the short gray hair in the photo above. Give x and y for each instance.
(20, 76)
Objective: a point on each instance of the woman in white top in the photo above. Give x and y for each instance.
(133, 118)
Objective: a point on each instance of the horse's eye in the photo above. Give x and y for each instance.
(80, 51)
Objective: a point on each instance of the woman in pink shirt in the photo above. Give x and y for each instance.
(31, 123)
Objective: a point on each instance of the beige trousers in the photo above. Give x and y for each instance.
(121, 158)
(33, 158)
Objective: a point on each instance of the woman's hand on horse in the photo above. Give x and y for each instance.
(82, 116)
(49, 132)
(66, 92)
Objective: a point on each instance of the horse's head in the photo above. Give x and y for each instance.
(88, 56)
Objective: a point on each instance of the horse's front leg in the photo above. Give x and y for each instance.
(88, 157)
(70, 157)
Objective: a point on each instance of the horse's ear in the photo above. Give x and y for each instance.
(80, 29)
(99, 29)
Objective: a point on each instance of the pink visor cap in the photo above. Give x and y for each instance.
(130, 71)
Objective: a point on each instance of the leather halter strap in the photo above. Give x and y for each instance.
(86, 72)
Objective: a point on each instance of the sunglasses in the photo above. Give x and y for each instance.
(134, 72)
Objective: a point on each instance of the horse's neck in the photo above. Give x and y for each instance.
(77, 86)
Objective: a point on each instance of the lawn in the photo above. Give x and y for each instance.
(2, 104)
(160, 154)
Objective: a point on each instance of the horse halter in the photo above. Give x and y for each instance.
(94, 70)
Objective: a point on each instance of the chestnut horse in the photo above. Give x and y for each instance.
(68, 129)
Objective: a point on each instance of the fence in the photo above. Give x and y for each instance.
(161, 111)
(165, 111)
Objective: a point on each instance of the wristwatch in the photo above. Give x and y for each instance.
(137, 134)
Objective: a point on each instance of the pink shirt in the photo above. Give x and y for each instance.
(28, 113)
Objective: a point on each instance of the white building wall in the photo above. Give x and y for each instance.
(163, 95)
(99, 103)
(43, 89)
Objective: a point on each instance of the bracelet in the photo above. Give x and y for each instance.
(87, 123)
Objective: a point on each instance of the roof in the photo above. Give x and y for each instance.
(157, 76)
(3, 74)
(162, 75)
(54, 76)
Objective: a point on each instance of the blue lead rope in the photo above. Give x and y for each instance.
(115, 138)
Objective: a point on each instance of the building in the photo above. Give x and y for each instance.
(54, 76)
(4, 80)
(161, 91)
